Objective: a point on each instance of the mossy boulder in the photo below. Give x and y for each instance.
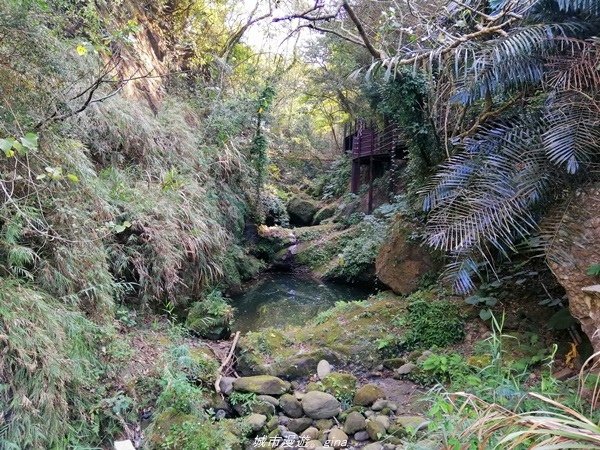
(302, 210)
(401, 262)
(261, 384)
(355, 422)
(345, 334)
(324, 213)
(341, 385)
(375, 429)
(368, 394)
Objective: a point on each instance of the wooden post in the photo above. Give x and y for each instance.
(355, 178)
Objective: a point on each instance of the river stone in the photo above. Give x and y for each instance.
(323, 369)
(290, 406)
(383, 420)
(324, 424)
(373, 446)
(412, 422)
(256, 421)
(389, 446)
(261, 384)
(361, 436)
(379, 404)
(405, 369)
(375, 429)
(337, 438)
(311, 433)
(368, 394)
(354, 422)
(320, 405)
(226, 385)
(272, 423)
(313, 443)
(299, 425)
(262, 407)
(269, 399)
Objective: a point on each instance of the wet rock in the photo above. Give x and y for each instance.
(256, 421)
(261, 384)
(368, 394)
(354, 422)
(290, 406)
(320, 405)
(323, 369)
(300, 424)
(375, 429)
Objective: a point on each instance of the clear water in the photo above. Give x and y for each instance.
(280, 299)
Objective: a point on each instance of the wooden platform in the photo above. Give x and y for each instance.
(372, 146)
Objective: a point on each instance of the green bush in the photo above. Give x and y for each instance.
(432, 323)
(212, 317)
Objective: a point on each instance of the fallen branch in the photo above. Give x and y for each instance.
(226, 362)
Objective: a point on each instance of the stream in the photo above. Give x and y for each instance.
(280, 299)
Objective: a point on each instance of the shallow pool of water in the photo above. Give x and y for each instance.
(280, 299)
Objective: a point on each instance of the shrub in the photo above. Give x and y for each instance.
(212, 317)
(432, 323)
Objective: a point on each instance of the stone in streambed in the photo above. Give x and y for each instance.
(375, 429)
(290, 406)
(354, 422)
(256, 421)
(368, 394)
(323, 369)
(320, 405)
(337, 438)
(299, 425)
(261, 384)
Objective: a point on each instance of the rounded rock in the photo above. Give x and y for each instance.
(320, 405)
(368, 394)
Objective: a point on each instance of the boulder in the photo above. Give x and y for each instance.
(341, 385)
(290, 406)
(226, 385)
(354, 422)
(324, 213)
(323, 369)
(299, 425)
(261, 384)
(324, 424)
(368, 394)
(320, 405)
(302, 211)
(405, 369)
(376, 430)
(571, 255)
(400, 263)
(255, 421)
(337, 438)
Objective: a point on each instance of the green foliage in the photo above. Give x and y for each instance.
(357, 254)
(432, 323)
(594, 270)
(210, 317)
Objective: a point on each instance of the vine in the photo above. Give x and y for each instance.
(258, 150)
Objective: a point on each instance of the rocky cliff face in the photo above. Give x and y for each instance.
(574, 247)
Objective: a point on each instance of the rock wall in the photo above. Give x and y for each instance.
(574, 247)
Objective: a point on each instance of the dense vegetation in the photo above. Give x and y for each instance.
(153, 158)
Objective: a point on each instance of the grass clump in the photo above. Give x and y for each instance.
(212, 317)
